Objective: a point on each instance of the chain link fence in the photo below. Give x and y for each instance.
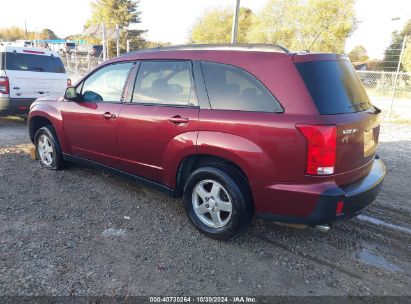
(395, 106)
(382, 83)
(79, 65)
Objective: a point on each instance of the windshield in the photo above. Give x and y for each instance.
(334, 86)
(33, 63)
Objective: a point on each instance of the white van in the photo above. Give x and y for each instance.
(27, 73)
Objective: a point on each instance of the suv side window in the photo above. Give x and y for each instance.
(106, 84)
(232, 88)
(164, 83)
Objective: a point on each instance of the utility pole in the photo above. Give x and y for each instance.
(118, 40)
(25, 28)
(128, 45)
(396, 77)
(235, 23)
(103, 35)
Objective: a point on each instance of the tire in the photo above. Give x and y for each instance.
(210, 211)
(48, 149)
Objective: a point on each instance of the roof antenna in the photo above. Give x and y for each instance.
(312, 43)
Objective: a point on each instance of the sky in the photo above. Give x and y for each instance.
(171, 20)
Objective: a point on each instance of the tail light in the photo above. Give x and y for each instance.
(69, 82)
(4, 85)
(322, 148)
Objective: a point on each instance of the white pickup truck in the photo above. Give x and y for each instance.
(27, 73)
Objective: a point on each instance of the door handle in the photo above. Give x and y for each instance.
(178, 120)
(108, 115)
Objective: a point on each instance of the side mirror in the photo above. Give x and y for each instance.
(71, 94)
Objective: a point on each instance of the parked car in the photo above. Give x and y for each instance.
(23, 43)
(94, 50)
(27, 74)
(234, 130)
(62, 47)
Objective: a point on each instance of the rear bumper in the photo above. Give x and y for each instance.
(15, 106)
(356, 197)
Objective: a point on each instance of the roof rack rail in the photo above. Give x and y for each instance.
(257, 47)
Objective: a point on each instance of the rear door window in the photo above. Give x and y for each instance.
(334, 86)
(33, 63)
(232, 88)
(165, 83)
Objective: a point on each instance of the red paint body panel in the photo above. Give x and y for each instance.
(297, 200)
(267, 147)
(262, 144)
(88, 133)
(50, 110)
(146, 139)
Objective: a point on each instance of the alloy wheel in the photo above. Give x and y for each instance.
(45, 150)
(211, 203)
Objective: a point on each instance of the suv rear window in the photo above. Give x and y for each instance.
(33, 63)
(334, 86)
(165, 83)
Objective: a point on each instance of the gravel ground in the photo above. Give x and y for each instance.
(83, 232)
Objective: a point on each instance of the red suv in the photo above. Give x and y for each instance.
(234, 130)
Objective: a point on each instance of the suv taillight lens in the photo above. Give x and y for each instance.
(4, 85)
(322, 148)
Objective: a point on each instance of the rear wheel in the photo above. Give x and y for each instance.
(218, 202)
(48, 149)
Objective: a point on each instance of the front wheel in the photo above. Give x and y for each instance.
(48, 149)
(218, 202)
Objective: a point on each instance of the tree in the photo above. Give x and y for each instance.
(318, 25)
(15, 33)
(374, 65)
(118, 12)
(406, 59)
(112, 12)
(47, 34)
(358, 54)
(216, 24)
(327, 24)
(134, 36)
(156, 44)
(275, 23)
(393, 51)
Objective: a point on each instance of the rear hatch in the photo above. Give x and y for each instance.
(33, 75)
(341, 100)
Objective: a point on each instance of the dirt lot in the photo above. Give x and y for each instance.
(83, 232)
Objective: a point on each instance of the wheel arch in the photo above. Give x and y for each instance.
(43, 113)
(192, 162)
(37, 122)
